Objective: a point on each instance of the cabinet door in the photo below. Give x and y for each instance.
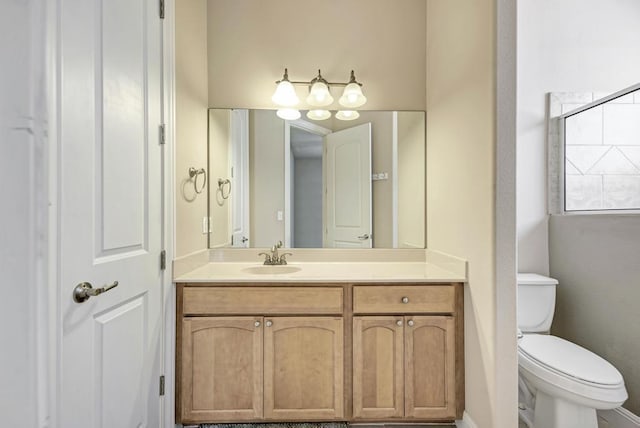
(430, 382)
(303, 368)
(221, 369)
(378, 367)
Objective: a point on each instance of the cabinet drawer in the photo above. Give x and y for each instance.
(403, 299)
(262, 300)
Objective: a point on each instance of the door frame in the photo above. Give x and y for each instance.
(288, 209)
(239, 162)
(169, 291)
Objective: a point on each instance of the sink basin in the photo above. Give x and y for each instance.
(271, 270)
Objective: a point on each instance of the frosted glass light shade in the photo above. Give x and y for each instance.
(352, 96)
(319, 95)
(288, 114)
(318, 114)
(347, 115)
(285, 94)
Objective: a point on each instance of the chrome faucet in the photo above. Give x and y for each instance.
(273, 258)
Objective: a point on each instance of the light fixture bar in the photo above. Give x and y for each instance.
(319, 97)
(310, 82)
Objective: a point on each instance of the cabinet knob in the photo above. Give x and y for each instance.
(405, 299)
(257, 323)
(269, 323)
(399, 323)
(410, 323)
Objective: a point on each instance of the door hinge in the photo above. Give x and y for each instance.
(161, 9)
(163, 260)
(162, 385)
(162, 134)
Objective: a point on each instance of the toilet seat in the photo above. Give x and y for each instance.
(570, 359)
(564, 368)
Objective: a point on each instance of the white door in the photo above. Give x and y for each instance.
(110, 218)
(240, 178)
(348, 188)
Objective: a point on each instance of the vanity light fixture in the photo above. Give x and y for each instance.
(347, 115)
(319, 96)
(288, 113)
(318, 114)
(352, 96)
(285, 94)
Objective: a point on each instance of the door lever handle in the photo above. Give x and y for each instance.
(364, 237)
(83, 291)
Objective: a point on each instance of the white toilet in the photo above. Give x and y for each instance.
(561, 385)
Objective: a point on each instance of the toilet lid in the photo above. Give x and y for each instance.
(568, 358)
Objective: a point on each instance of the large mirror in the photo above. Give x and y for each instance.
(326, 184)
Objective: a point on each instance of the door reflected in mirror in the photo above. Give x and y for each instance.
(324, 184)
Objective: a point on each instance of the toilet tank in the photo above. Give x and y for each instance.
(536, 302)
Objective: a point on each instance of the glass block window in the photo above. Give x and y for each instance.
(602, 154)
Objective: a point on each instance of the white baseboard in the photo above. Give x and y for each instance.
(618, 418)
(466, 422)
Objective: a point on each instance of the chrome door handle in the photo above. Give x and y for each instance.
(364, 237)
(85, 290)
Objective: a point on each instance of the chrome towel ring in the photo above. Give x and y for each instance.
(221, 184)
(194, 173)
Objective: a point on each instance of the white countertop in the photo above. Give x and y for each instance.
(422, 272)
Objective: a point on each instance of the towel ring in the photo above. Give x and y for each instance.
(194, 173)
(221, 184)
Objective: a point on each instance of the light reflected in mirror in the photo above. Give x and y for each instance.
(316, 184)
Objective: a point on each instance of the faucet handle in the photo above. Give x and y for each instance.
(267, 258)
(283, 258)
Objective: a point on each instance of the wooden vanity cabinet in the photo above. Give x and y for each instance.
(222, 370)
(319, 352)
(303, 368)
(378, 367)
(407, 364)
(429, 369)
(264, 353)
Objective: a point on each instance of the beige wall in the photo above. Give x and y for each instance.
(191, 122)
(219, 208)
(266, 166)
(252, 41)
(461, 141)
(411, 179)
